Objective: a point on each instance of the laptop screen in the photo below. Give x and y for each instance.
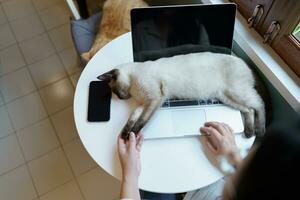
(172, 30)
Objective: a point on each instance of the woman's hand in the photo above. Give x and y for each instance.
(129, 154)
(220, 141)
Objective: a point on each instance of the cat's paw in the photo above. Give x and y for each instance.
(249, 132)
(125, 133)
(137, 127)
(260, 131)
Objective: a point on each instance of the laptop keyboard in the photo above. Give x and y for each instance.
(182, 102)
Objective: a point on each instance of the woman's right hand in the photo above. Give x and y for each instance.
(220, 141)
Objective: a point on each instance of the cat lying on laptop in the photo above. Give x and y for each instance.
(194, 76)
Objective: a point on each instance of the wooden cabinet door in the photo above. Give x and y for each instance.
(246, 8)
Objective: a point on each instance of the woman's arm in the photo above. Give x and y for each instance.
(129, 154)
(130, 188)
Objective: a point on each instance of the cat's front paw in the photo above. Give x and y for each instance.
(260, 131)
(249, 132)
(125, 133)
(138, 127)
(127, 129)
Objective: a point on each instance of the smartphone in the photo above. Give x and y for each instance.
(99, 101)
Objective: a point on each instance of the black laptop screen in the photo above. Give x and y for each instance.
(167, 31)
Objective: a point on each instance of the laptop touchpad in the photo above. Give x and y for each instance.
(187, 121)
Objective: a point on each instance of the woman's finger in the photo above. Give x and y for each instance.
(229, 127)
(212, 132)
(218, 126)
(226, 128)
(211, 148)
(121, 143)
(212, 136)
(132, 141)
(202, 131)
(140, 142)
(138, 136)
(206, 141)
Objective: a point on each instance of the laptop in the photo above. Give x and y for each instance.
(166, 31)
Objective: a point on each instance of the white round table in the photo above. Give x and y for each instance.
(168, 165)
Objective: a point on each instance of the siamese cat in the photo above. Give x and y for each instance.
(192, 76)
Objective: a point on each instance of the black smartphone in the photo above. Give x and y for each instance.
(99, 101)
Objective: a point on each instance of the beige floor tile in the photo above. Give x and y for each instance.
(3, 19)
(70, 60)
(57, 96)
(75, 77)
(69, 191)
(27, 27)
(11, 59)
(47, 71)
(50, 171)
(10, 154)
(61, 37)
(37, 139)
(26, 110)
(37, 48)
(17, 185)
(98, 185)
(79, 158)
(64, 125)
(55, 15)
(5, 123)
(6, 36)
(16, 84)
(43, 4)
(16, 9)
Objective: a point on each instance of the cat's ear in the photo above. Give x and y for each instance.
(108, 76)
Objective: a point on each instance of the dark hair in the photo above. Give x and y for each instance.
(274, 170)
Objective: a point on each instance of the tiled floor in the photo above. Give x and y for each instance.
(41, 156)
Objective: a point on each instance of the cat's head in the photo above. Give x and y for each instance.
(118, 83)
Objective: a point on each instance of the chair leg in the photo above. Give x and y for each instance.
(73, 10)
(82, 5)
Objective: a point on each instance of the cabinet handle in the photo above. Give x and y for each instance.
(272, 32)
(256, 16)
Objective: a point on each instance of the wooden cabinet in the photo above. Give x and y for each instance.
(280, 16)
(247, 8)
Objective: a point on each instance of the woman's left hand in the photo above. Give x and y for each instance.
(129, 154)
